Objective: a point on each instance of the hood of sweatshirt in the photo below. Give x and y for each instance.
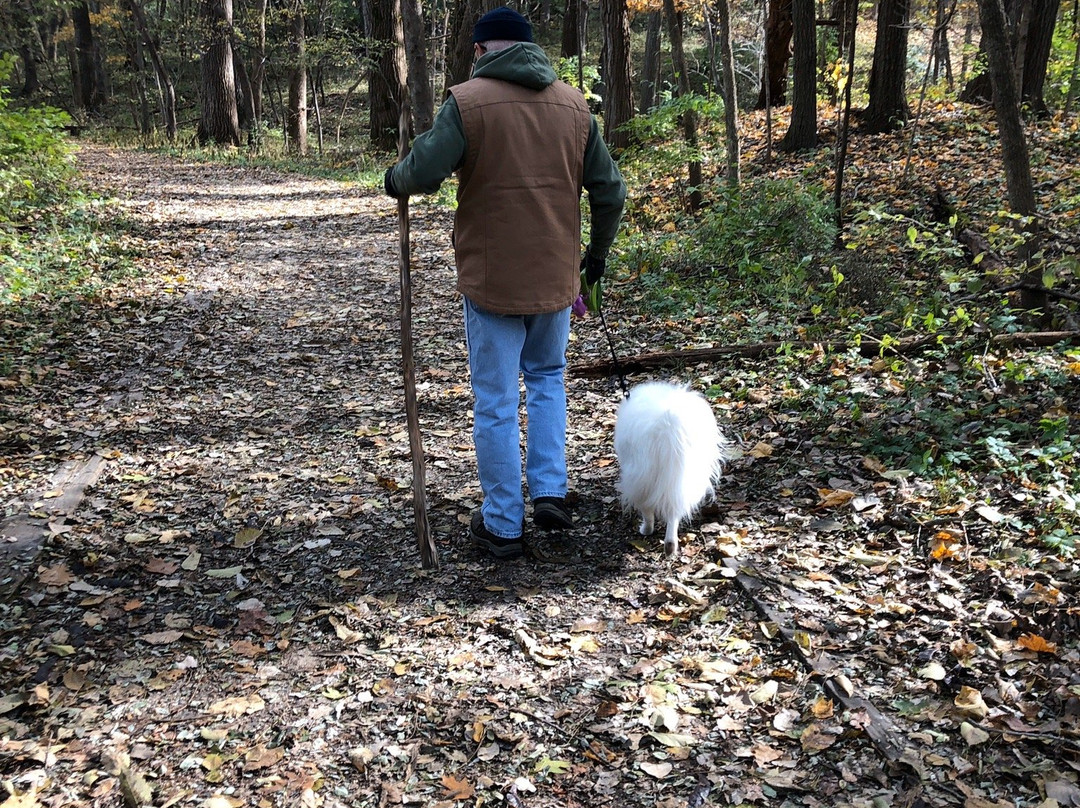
(524, 63)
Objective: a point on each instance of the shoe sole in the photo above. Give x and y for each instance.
(549, 518)
(509, 550)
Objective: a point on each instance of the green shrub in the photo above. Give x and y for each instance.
(35, 164)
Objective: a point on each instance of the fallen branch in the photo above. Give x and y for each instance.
(881, 731)
(867, 347)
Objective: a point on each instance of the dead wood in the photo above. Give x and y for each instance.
(884, 734)
(867, 347)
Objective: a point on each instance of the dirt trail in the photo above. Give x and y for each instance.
(235, 612)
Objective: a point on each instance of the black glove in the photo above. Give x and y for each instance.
(592, 267)
(388, 184)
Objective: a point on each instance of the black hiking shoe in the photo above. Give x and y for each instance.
(551, 513)
(496, 545)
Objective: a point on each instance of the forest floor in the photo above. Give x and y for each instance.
(228, 608)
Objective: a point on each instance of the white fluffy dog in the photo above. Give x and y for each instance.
(670, 454)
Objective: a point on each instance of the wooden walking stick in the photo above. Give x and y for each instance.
(429, 556)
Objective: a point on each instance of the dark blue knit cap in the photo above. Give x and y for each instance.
(502, 23)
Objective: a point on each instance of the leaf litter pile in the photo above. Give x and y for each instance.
(228, 608)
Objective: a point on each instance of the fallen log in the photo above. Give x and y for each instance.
(867, 347)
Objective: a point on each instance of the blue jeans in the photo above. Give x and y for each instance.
(503, 348)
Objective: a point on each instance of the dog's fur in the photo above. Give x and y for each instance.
(670, 454)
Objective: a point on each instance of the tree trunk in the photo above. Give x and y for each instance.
(166, 90)
(420, 91)
(220, 121)
(296, 129)
(89, 92)
(1037, 55)
(258, 67)
(615, 61)
(1017, 164)
(778, 32)
(689, 118)
(459, 52)
(802, 132)
(29, 46)
(888, 108)
(571, 28)
(729, 90)
(387, 85)
(650, 70)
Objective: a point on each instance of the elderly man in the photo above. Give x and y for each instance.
(524, 146)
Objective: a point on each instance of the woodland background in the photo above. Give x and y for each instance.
(854, 228)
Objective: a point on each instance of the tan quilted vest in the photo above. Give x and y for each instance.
(517, 232)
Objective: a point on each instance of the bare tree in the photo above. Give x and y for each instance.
(888, 107)
(650, 69)
(731, 102)
(1015, 158)
(166, 90)
(802, 131)
(615, 59)
(387, 85)
(296, 129)
(219, 122)
(90, 88)
(778, 31)
(420, 91)
(689, 118)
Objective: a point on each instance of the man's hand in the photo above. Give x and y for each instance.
(388, 184)
(592, 267)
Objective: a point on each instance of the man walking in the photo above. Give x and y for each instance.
(524, 145)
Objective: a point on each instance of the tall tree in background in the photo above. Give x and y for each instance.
(1034, 55)
(689, 118)
(573, 20)
(731, 101)
(615, 66)
(30, 48)
(778, 32)
(296, 114)
(387, 83)
(888, 107)
(802, 131)
(166, 90)
(420, 92)
(258, 65)
(1029, 33)
(91, 92)
(459, 50)
(650, 69)
(1014, 152)
(219, 122)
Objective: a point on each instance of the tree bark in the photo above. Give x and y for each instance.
(571, 28)
(258, 67)
(650, 70)
(420, 91)
(165, 83)
(1017, 164)
(459, 51)
(219, 122)
(90, 93)
(1036, 55)
(778, 31)
(802, 131)
(888, 108)
(296, 124)
(387, 84)
(730, 93)
(615, 58)
(689, 118)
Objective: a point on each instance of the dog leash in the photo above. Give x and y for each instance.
(614, 358)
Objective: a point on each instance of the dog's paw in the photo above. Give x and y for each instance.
(671, 547)
(648, 525)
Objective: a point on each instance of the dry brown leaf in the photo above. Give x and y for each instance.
(457, 789)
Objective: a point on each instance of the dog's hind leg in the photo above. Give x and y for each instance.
(671, 538)
(648, 523)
